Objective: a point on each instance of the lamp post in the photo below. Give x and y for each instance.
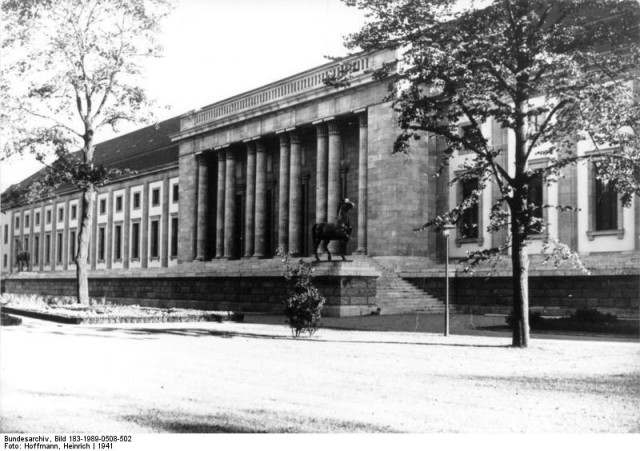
(446, 232)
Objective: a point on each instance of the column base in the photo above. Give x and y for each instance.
(360, 251)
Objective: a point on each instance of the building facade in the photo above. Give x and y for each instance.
(218, 190)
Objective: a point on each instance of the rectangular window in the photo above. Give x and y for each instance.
(26, 243)
(174, 236)
(48, 216)
(60, 214)
(26, 220)
(72, 245)
(136, 200)
(606, 206)
(6, 234)
(118, 204)
(155, 197)
(37, 219)
(59, 248)
(47, 249)
(103, 206)
(36, 250)
(135, 240)
(155, 239)
(176, 193)
(117, 242)
(4, 261)
(74, 211)
(468, 222)
(536, 198)
(101, 243)
(17, 222)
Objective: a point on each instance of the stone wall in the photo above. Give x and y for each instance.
(552, 295)
(347, 292)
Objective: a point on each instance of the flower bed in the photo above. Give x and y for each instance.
(62, 310)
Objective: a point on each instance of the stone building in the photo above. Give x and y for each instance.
(219, 189)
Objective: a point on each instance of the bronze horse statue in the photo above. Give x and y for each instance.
(330, 231)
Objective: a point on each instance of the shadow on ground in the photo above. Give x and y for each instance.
(245, 421)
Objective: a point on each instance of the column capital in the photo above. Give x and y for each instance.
(321, 130)
(251, 147)
(284, 139)
(294, 137)
(362, 120)
(230, 154)
(220, 154)
(333, 128)
(260, 147)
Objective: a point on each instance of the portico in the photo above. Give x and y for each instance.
(261, 168)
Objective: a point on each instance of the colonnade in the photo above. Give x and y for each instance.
(290, 195)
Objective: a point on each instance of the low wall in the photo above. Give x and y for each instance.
(553, 295)
(347, 292)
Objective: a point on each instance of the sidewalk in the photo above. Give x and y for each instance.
(459, 324)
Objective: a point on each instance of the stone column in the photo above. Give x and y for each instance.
(295, 194)
(261, 201)
(283, 195)
(249, 224)
(363, 177)
(220, 205)
(333, 171)
(230, 205)
(321, 173)
(203, 208)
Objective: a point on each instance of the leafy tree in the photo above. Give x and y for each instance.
(71, 68)
(551, 73)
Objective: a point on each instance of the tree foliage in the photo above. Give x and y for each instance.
(554, 74)
(70, 69)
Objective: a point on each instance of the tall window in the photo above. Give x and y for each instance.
(606, 206)
(536, 197)
(155, 197)
(4, 260)
(60, 214)
(59, 248)
(155, 239)
(26, 220)
(17, 222)
(103, 206)
(118, 204)
(47, 249)
(135, 240)
(117, 242)
(6, 234)
(176, 193)
(74, 211)
(468, 222)
(26, 243)
(48, 216)
(37, 219)
(72, 245)
(101, 243)
(36, 250)
(136, 200)
(174, 236)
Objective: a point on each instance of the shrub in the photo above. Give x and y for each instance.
(535, 319)
(593, 316)
(303, 304)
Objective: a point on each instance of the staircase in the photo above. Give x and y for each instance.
(395, 295)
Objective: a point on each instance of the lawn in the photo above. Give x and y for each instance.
(232, 377)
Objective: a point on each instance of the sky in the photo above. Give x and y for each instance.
(215, 49)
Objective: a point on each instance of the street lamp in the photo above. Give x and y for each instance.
(446, 232)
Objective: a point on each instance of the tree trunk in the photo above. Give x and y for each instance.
(84, 238)
(520, 262)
